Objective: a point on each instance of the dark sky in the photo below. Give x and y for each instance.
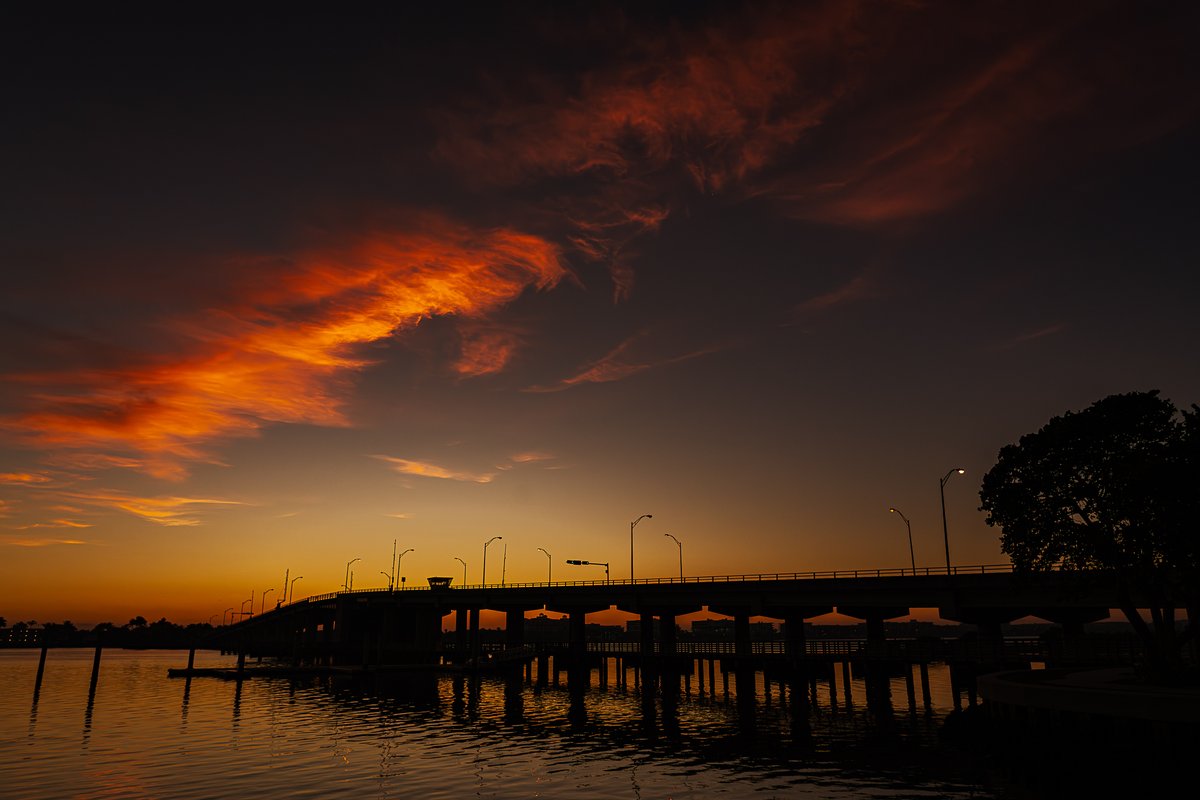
(303, 284)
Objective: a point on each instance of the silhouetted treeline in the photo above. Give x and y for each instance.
(135, 634)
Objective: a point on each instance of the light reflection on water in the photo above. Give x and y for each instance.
(148, 736)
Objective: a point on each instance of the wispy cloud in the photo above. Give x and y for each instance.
(619, 364)
(531, 456)
(1040, 333)
(426, 470)
(57, 523)
(25, 478)
(27, 542)
(858, 288)
(169, 511)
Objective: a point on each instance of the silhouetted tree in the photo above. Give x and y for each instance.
(137, 622)
(60, 633)
(1111, 487)
(3, 622)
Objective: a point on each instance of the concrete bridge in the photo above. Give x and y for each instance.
(377, 628)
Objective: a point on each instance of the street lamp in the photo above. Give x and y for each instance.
(577, 562)
(677, 542)
(399, 565)
(346, 583)
(459, 560)
(292, 587)
(945, 533)
(485, 547)
(210, 619)
(911, 556)
(264, 598)
(242, 610)
(549, 562)
(223, 622)
(633, 525)
(389, 577)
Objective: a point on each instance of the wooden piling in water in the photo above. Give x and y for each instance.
(926, 699)
(96, 666)
(912, 692)
(37, 682)
(846, 683)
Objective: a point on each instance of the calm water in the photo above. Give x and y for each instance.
(149, 736)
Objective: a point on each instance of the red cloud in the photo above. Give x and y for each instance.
(866, 114)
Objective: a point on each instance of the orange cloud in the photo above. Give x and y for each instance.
(282, 352)
(25, 542)
(57, 523)
(530, 457)
(25, 478)
(169, 511)
(426, 470)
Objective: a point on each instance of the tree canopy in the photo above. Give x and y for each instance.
(1113, 487)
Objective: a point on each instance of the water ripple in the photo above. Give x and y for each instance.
(147, 736)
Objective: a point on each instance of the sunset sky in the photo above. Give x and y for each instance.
(280, 291)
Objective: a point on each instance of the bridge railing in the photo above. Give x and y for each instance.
(814, 575)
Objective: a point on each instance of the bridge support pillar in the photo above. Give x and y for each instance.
(743, 664)
(670, 669)
(646, 635)
(514, 628)
(875, 664)
(577, 672)
(646, 667)
(462, 642)
(475, 643)
(794, 648)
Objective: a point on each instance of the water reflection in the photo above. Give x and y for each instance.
(452, 735)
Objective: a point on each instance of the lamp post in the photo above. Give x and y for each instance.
(485, 547)
(242, 611)
(549, 563)
(680, 545)
(346, 583)
(580, 563)
(459, 560)
(945, 533)
(389, 578)
(633, 525)
(911, 556)
(210, 619)
(264, 599)
(292, 588)
(223, 622)
(399, 565)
